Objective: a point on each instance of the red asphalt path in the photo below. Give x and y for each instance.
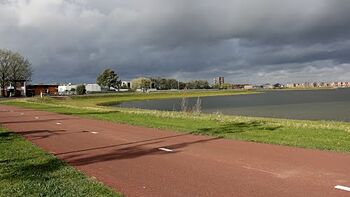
(127, 158)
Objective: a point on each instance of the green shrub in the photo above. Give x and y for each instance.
(81, 89)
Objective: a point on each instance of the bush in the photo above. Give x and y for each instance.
(72, 91)
(81, 90)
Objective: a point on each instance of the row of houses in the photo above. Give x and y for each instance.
(294, 85)
(22, 89)
(251, 86)
(69, 89)
(221, 81)
(319, 85)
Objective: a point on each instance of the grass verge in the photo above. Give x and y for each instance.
(26, 170)
(322, 135)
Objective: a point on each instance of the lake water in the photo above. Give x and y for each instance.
(308, 105)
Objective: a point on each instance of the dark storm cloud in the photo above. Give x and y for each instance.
(244, 40)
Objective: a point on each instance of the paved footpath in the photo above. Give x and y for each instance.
(150, 162)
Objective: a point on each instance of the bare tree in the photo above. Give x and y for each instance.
(20, 68)
(4, 69)
(13, 68)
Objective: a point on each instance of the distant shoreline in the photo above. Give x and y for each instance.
(291, 89)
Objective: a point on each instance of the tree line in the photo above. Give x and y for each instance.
(167, 84)
(110, 79)
(14, 68)
(160, 83)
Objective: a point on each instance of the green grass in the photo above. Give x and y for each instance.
(323, 135)
(26, 170)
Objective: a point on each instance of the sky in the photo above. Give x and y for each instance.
(246, 41)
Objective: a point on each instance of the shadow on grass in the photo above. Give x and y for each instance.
(4, 134)
(28, 169)
(24, 165)
(236, 128)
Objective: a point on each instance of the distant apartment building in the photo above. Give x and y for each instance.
(219, 80)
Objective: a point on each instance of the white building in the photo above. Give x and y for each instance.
(67, 89)
(267, 86)
(248, 87)
(93, 88)
(126, 84)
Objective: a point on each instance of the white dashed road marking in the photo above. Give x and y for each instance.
(94, 132)
(58, 123)
(344, 188)
(165, 149)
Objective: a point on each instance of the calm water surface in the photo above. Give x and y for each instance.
(308, 105)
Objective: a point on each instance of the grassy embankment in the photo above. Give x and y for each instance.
(323, 135)
(26, 170)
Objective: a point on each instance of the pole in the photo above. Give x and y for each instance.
(25, 88)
